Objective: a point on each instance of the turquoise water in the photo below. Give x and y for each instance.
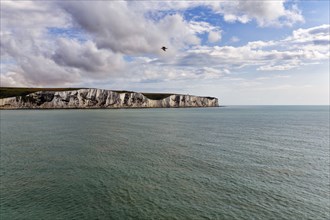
(236, 162)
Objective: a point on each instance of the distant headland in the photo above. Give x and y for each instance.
(90, 98)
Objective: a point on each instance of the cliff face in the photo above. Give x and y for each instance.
(100, 98)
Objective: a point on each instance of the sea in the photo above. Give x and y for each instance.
(233, 162)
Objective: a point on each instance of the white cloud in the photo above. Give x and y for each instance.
(304, 47)
(316, 35)
(265, 13)
(179, 32)
(280, 66)
(119, 29)
(260, 44)
(214, 33)
(234, 39)
(214, 36)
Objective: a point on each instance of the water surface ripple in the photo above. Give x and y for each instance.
(260, 162)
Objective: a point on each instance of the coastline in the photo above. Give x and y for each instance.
(104, 99)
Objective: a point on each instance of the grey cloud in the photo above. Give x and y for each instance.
(116, 27)
(31, 73)
(31, 17)
(49, 73)
(323, 29)
(86, 56)
(196, 59)
(321, 42)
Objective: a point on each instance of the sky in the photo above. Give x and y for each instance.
(244, 52)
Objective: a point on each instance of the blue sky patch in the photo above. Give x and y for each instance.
(71, 33)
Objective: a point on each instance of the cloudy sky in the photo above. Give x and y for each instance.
(243, 52)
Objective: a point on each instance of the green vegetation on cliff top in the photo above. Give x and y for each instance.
(6, 92)
(157, 96)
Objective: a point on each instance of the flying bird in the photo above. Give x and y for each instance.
(163, 48)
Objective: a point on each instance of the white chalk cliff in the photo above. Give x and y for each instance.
(100, 98)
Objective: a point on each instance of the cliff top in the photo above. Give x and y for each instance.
(6, 92)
